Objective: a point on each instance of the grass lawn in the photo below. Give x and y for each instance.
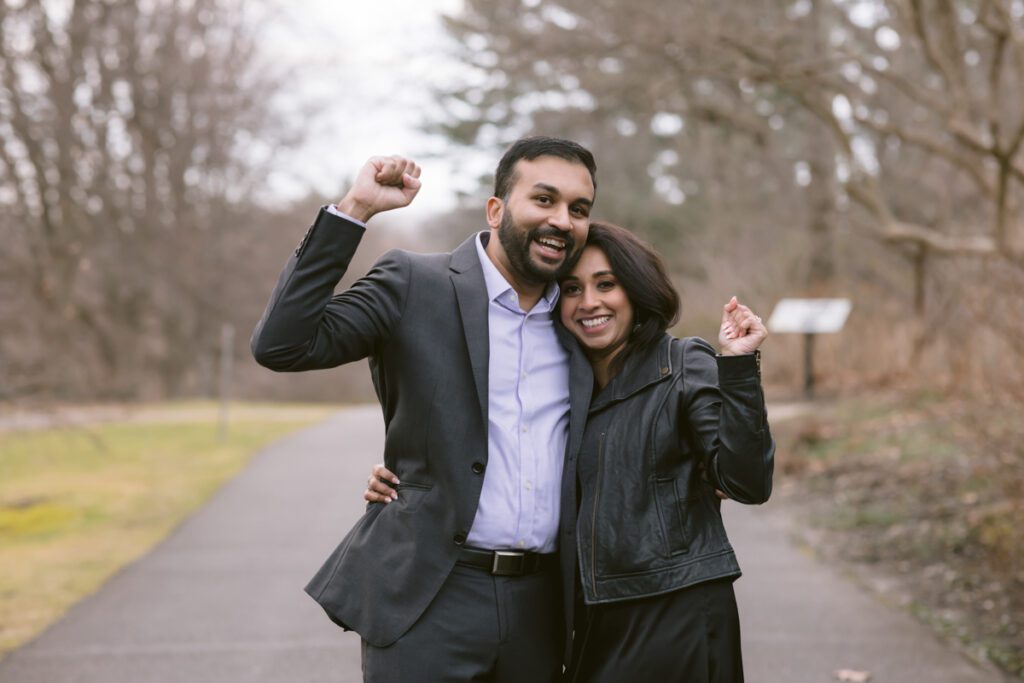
(78, 503)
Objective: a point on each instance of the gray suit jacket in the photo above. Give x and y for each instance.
(422, 321)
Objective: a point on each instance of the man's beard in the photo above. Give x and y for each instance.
(516, 244)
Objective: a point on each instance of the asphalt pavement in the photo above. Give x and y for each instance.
(221, 599)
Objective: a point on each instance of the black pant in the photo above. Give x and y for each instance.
(691, 635)
(479, 628)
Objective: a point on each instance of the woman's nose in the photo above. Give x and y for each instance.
(588, 299)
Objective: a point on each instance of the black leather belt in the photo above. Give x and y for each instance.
(505, 562)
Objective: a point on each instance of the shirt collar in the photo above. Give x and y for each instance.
(496, 283)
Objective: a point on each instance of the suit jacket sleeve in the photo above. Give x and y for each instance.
(725, 409)
(305, 326)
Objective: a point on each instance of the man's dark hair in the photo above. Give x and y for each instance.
(639, 271)
(534, 147)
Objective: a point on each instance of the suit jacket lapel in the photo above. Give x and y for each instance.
(581, 385)
(471, 291)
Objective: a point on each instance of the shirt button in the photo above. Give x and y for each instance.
(522, 544)
(459, 538)
(525, 428)
(529, 486)
(478, 468)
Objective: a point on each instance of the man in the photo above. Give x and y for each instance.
(457, 579)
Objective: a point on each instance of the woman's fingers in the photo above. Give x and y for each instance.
(742, 331)
(740, 321)
(371, 496)
(384, 474)
(380, 485)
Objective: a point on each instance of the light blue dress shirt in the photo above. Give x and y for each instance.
(527, 421)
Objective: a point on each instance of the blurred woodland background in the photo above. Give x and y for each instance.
(868, 149)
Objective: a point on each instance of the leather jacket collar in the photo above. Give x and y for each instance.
(640, 371)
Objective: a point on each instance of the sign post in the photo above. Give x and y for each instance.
(809, 317)
(227, 356)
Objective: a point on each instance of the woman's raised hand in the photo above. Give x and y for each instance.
(741, 331)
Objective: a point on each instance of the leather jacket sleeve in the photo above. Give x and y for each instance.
(305, 326)
(724, 406)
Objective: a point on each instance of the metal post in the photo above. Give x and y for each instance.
(227, 342)
(809, 366)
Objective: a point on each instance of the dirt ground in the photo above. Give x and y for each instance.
(921, 499)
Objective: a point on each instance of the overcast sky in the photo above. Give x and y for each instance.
(371, 65)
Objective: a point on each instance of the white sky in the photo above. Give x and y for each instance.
(371, 64)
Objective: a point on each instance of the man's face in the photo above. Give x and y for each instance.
(543, 224)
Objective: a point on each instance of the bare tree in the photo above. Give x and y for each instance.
(899, 120)
(128, 131)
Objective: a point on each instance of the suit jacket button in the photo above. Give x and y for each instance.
(460, 538)
(478, 468)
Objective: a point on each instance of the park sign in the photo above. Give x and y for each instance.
(809, 316)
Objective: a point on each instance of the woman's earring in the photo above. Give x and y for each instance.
(637, 324)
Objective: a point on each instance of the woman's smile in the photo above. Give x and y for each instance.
(595, 324)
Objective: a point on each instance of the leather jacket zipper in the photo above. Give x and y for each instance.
(593, 518)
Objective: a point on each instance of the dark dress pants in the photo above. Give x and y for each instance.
(504, 629)
(691, 635)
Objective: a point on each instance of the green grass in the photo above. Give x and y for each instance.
(78, 504)
(871, 516)
(870, 428)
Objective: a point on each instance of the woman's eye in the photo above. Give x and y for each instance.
(606, 284)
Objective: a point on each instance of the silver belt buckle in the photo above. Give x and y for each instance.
(508, 563)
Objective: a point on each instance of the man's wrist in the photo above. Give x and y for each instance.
(355, 209)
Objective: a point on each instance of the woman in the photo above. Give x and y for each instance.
(669, 423)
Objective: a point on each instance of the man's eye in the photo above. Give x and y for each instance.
(581, 211)
(544, 200)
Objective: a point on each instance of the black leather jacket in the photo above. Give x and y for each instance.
(675, 424)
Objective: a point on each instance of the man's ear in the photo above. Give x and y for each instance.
(495, 210)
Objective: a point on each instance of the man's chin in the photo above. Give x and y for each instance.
(544, 271)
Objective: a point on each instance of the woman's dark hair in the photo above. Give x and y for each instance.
(534, 147)
(641, 273)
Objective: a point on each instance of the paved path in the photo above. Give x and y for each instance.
(802, 621)
(221, 600)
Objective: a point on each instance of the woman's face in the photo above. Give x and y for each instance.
(594, 305)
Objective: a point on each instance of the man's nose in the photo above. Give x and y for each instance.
(560, 218)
